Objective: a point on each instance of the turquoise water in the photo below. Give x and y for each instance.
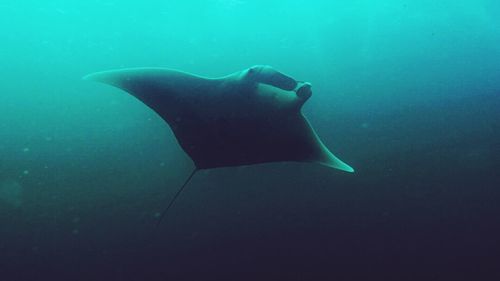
(407, 92)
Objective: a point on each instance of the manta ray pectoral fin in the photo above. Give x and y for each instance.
(319, 153)
(166, 91)
(334, 162)
(111, 77)
(136, 81)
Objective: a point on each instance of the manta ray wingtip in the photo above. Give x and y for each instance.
(342, 166)
(347, 168)
(90, 77)
(107, 76)
(334, 162)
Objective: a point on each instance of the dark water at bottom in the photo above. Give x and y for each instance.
(422, 205)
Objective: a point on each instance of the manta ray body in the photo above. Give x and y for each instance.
(249, 117)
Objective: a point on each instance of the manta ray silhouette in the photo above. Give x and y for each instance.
(249, 117)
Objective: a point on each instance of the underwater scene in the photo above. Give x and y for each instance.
(394, 175)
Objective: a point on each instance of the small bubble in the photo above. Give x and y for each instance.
(26, 149)
(157, 215)
(162, 164)
(26, 172)
(75, 231)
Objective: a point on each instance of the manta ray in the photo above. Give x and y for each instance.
(249, 117)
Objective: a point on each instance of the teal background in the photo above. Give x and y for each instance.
(407, 92)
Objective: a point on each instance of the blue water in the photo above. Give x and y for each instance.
(407, 92)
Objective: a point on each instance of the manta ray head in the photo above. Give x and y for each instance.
(277, 89)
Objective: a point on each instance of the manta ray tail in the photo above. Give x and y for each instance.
(175, 197)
